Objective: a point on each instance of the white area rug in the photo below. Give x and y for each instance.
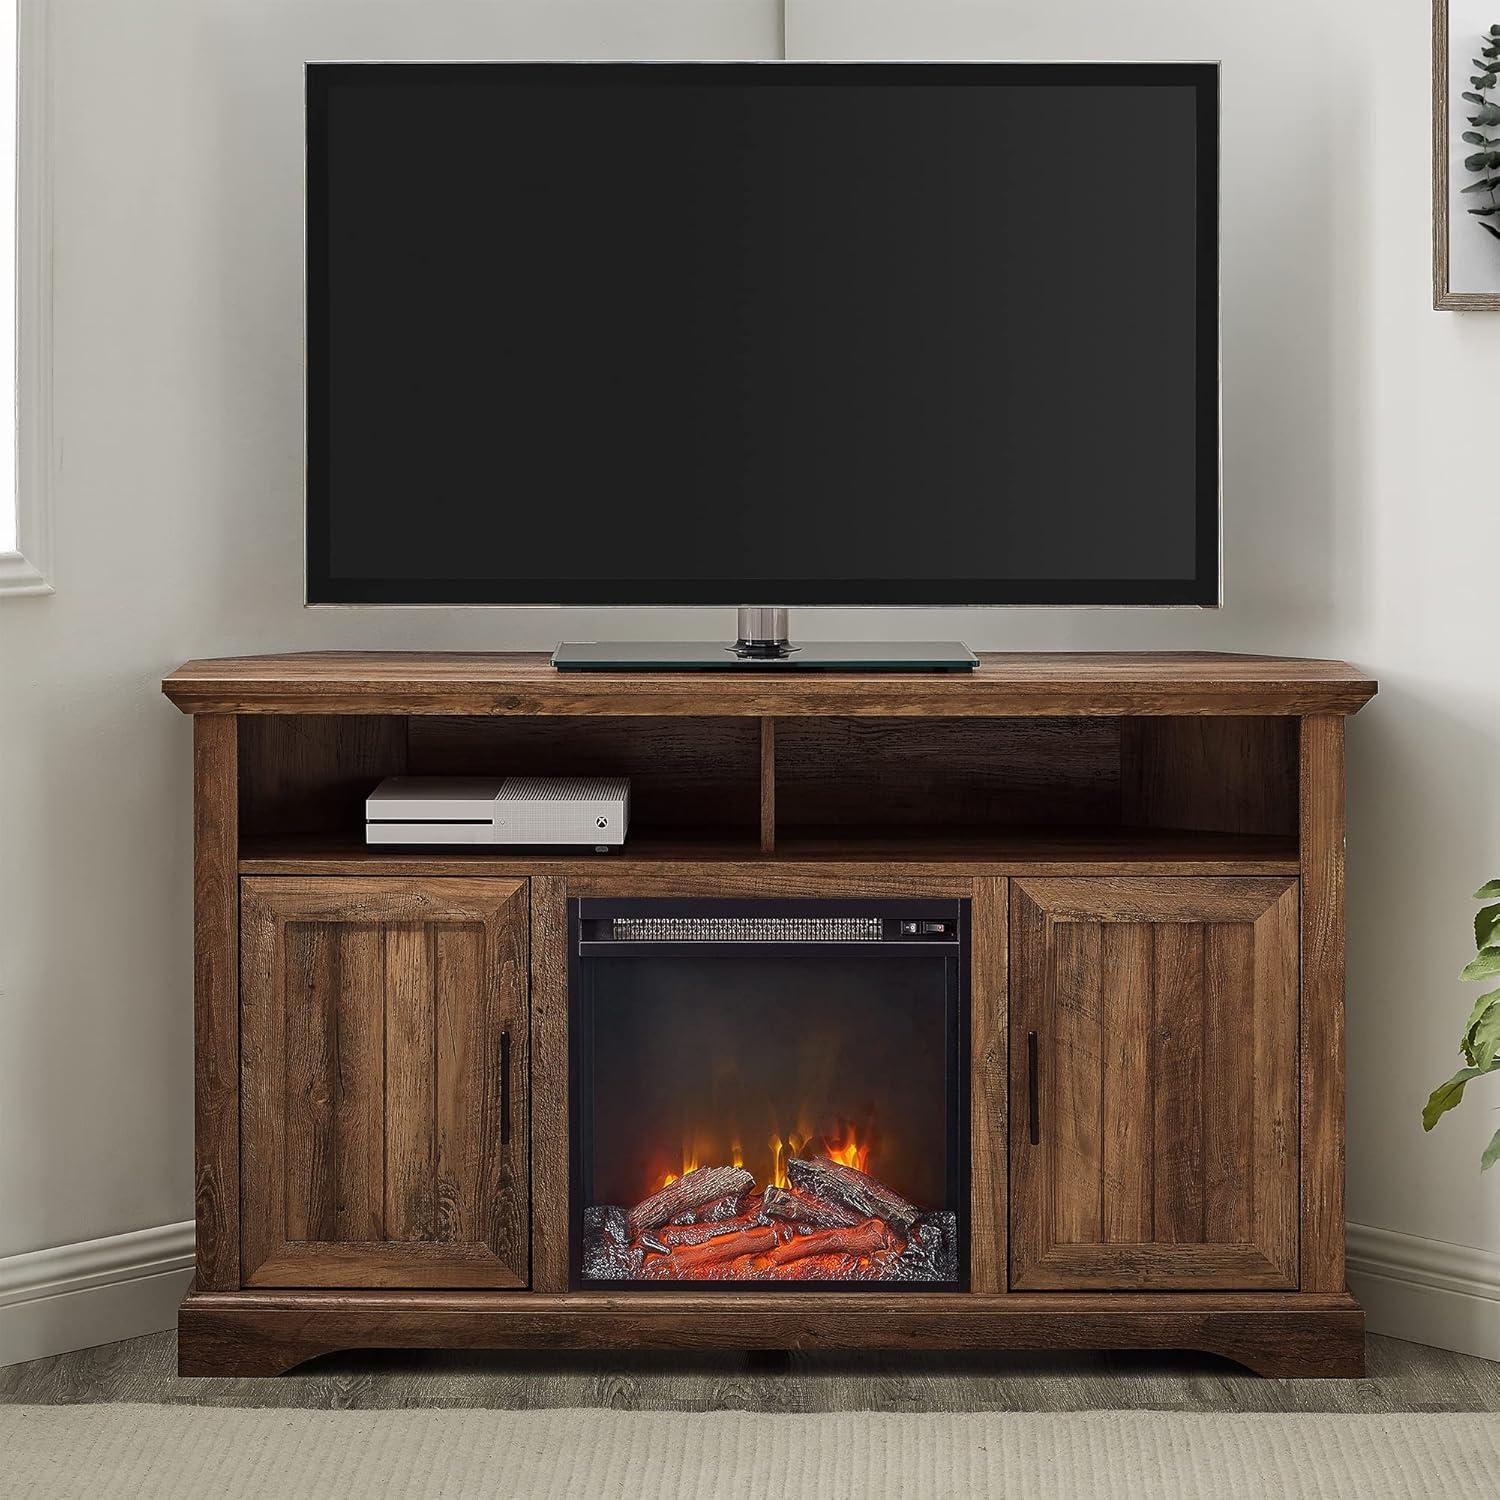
(169, 1451)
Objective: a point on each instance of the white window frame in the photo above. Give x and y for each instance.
(29, 568)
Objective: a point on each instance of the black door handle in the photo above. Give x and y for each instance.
(1033, 1103)
(505, 1088)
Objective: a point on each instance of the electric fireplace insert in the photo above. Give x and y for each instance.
(769, 1093)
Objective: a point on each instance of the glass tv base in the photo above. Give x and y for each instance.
(764, 645)
(718, 656)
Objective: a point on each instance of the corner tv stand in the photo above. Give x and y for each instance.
(1087, 908)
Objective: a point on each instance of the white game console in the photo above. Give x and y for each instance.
(560, 810)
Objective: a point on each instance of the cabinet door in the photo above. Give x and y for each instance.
(383, 1075)
(1154, 1125)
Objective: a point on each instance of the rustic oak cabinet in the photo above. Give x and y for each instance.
(1145, 854)
(1154, 1074)
(383, 1083)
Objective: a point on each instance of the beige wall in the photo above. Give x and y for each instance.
(1359, 510)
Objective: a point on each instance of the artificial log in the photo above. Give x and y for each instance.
(816, 1268)
(717, 1210)
(798, 1207)
(689, 1261)
(865, 1238)
(848, 1188)
(685, 1196)
(677, 1235)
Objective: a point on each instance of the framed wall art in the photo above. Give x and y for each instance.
(1466, 155)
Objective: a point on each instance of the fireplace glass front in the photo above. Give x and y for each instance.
(769, 1093)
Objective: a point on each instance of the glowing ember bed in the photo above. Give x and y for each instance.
(768, 1093)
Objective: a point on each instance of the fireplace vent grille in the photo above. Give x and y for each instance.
(746, 929)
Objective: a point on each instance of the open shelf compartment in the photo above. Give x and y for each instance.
(1188, 794)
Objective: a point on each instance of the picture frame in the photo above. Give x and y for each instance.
(1465, 234)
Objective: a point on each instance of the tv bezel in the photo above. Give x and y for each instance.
(1203, 590)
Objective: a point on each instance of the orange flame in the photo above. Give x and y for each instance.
(690, 1163)
(844, 1145)
(782, 1151)
(849, 1151)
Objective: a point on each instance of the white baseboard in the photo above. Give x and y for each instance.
(75, 1296)
(1428, 1291)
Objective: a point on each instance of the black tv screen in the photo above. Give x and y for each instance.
(763, 333)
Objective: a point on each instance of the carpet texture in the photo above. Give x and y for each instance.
(169, 1451)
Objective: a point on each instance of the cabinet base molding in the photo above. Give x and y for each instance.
(1283, 1335)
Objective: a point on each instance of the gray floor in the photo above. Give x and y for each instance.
(1401, 1377)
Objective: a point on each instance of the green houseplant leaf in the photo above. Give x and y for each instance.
(1482, 966)
(1448, 1096)
(1491, 1153)
(1484, 1041)
(1480, 1042)
(1482, 1006)
(1487, 924)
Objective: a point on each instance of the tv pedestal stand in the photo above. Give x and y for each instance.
(765, 633)
(763, 644)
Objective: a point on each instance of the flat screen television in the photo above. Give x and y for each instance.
(724, 333)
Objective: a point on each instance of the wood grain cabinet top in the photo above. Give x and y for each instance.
(1038, 684)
